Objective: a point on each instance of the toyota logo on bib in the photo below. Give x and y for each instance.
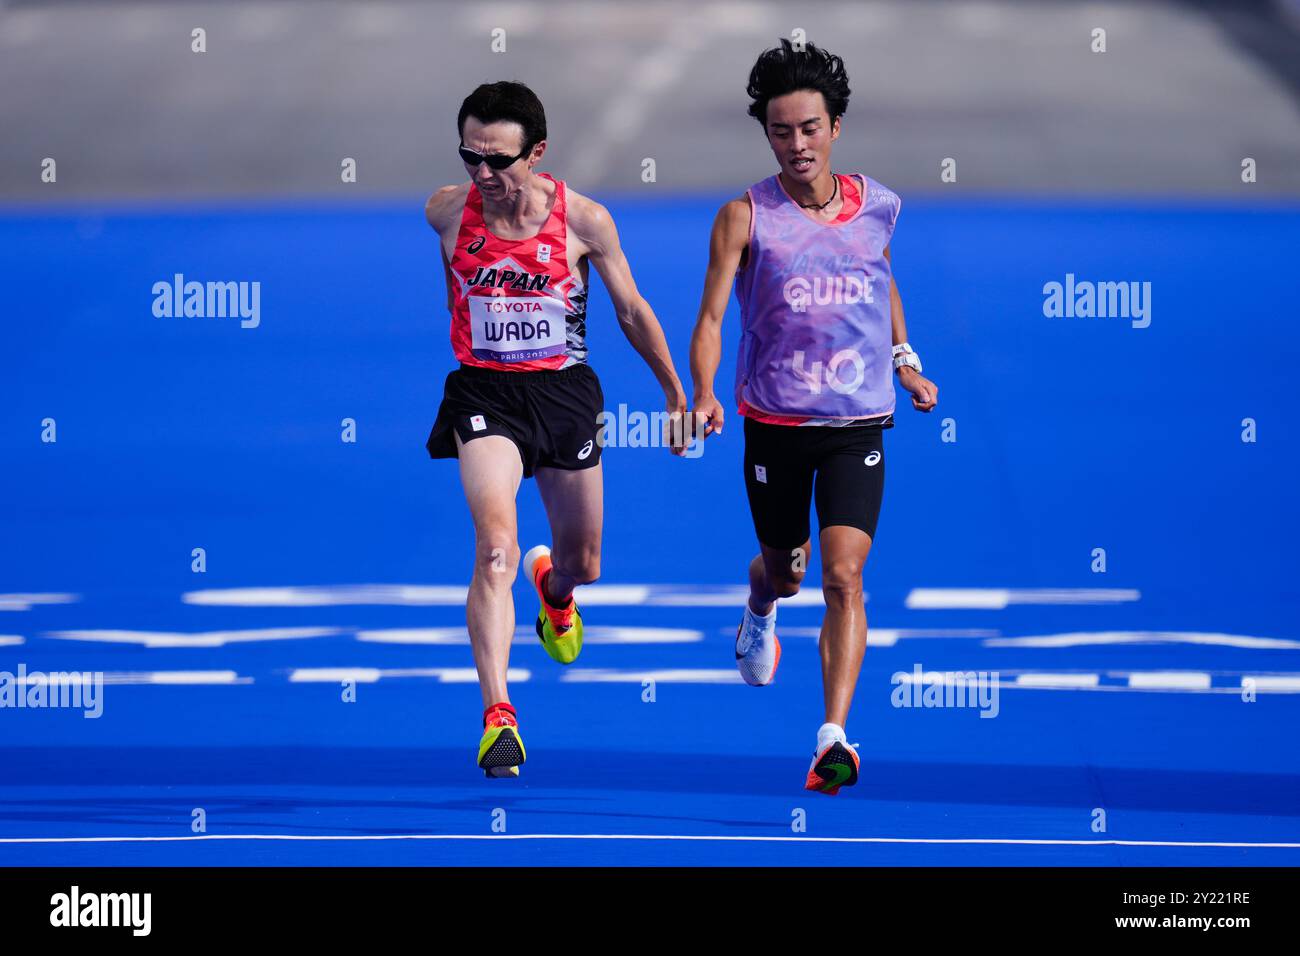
(872, 459)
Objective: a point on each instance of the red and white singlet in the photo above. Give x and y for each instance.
(517, 306)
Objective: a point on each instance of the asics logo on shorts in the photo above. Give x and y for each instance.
(586, 450)
(872, 459)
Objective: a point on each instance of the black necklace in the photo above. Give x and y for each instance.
(834, 192)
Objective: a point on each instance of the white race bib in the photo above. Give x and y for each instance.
(516, 328)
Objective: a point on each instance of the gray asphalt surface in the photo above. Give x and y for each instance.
(289, 88)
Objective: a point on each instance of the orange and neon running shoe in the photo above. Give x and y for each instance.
(559, 628)
(501, 750)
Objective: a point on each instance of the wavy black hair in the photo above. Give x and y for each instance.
(784, 69)
(505, 101)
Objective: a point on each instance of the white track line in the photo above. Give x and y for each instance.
(1087, 638)
(997, 599)
(596, 634)
(371, 675)
(681, 675)
(449, 595)
(24, 602)
(195, 639)
(640, 836)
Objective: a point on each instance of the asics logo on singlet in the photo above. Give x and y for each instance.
(803, 291)
(494, 277)
(586, 450)
(872, 459)
(477, 244)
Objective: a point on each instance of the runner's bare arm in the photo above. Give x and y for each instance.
(925, 394)
(442, 206)
(451, 281)
(442, 212)
(726, 245)
(595, 228)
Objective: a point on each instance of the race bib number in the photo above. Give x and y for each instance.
(516, 328)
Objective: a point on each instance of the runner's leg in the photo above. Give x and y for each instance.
(575, 507)
(490, 471)
(850, 488)
(776, 573)
(844, 627)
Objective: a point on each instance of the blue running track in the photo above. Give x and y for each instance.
(1124, 729)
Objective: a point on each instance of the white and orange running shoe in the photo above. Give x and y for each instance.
(758, 651)
(835, 763)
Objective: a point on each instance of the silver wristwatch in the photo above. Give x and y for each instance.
(904, 355)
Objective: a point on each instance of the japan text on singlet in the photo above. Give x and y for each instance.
(814, 307)
(517, 306)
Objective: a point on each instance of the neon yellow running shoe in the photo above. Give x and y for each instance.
(559, 628)
(501, 749)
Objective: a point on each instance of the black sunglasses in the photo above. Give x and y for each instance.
(496, 161)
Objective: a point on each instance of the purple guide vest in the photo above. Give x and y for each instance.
(816, 338)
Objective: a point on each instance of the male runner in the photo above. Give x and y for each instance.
(809, 251)
(524, 402)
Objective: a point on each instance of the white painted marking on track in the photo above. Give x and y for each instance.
(1274, 683)
(889, 636)
(415, 635)
(1057, 680)
(595, 675)
(423, 595)
(25, 602)
(330, 596)
(688, 837)
(371, 675)
(193, 678)
(11, 640)
(997, 599)
(195, 639)
(592, 595)
(1138, 681)
(1086, 638)
(602, 634)
(976, 599)
(733, 596)
(1169, 680)
(135, 677)
(597, 634)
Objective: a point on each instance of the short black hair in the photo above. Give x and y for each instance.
(784, 69)
(505, 101)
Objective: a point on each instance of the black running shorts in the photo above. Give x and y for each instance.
(550, 415)
(787, 467)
